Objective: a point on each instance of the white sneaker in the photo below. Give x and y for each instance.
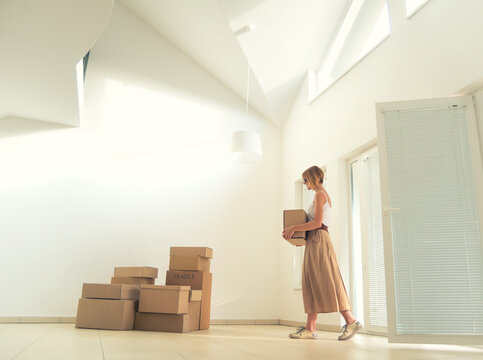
(303, 333)
(349, 330)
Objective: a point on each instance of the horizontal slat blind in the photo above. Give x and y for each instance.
(377, 282)
(437, 246)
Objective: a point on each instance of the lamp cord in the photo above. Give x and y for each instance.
(248, 69)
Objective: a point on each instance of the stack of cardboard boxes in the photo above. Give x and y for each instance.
(183, 304)
(112, 306)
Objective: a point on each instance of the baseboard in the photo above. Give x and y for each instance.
(37, 320)
(71, 320)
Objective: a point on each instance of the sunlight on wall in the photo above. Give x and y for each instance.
(140, 120)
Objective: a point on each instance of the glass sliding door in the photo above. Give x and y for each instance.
(368, 281)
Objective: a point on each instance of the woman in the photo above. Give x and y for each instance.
(322, 287)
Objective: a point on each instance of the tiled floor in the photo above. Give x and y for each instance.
(223, 342)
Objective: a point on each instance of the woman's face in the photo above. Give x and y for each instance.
(307, 184)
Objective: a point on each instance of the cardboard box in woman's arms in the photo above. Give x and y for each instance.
(295, 217)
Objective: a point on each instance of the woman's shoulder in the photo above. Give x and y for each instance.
(321, 196)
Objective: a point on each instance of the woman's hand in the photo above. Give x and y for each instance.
(288, 233)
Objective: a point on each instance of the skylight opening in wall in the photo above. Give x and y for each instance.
(412, 6)
(79, 69)
(325, 76)
(380, 31)
(365, 26)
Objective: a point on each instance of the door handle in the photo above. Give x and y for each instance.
(388, 210)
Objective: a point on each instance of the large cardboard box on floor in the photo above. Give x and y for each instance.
(295, 217)
(132, 280)
(110, 291)
(198, 281)
(189, 263)
(164, 299)
(204, 252)
(136, 271)
(106, 314)
(162, 322)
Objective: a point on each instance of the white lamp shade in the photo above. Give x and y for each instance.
(246, 147)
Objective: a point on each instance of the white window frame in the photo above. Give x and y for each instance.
(410, 13)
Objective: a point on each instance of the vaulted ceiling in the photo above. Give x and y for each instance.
(290, 37)
(37, 65)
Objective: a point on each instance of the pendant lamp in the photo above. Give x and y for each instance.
(246, 145)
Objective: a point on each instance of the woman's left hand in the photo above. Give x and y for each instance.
(288, 233)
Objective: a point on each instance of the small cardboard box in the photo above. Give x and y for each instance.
(295, 217)
(136, 271)
(105, 314)
(194, 309)
(132, 280)
(162, 322)
(110, 291)
(198, 280)
(189, 263)
(164, 299)
(204, 252)
(195, 295)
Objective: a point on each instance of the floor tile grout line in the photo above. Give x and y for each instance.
(33, 342)
(241, 350)
(102, 347)
(216, 341)
(246, 352)
(233, 347)
(162, 342)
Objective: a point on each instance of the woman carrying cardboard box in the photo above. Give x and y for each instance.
(323, 289)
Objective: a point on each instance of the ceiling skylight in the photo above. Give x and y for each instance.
(364, 27)
(414, 5)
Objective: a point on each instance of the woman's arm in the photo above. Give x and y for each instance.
(319, 202)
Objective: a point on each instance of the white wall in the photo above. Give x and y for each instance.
(434, 54)
(146, 170)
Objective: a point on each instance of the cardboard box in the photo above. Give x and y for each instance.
(164, 299)
(297, 241)
(198, 281)
(194, 309)
(204, 252)
(110, 291)
(162, 322)
(189, 263)
(106, 314)
(132, 280)
(295, 217)
(195, 295)
(136, 271)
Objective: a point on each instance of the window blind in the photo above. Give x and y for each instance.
(436, 240)
(375, 243)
